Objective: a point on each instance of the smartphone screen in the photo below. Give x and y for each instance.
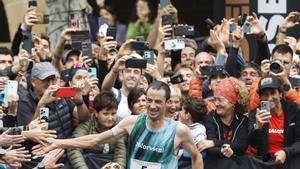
(86, 47)
(74, 20)
(232, 27)
(112, 31)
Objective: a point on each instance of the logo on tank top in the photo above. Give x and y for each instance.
(149, 148)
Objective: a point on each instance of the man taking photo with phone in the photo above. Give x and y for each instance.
(275, 127)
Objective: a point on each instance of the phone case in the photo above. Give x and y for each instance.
(136, 63)
(10, 92)
(92, 72)
(112, 31)
(44, 114)
(148, 55)
(166, 20)
(27, 42)
(65, 92)
(265, 105)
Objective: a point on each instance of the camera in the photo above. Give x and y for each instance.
(15, 131)
(276, 66)
(212, 70)
(174, 44)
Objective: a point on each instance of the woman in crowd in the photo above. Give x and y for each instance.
(104, 118)
(140, 24)
(137, 101)
(227, 127)
(173, 104)
(109, 13)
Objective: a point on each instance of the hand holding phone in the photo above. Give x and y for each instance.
(263, 115)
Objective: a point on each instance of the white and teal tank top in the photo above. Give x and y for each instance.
(152, 149)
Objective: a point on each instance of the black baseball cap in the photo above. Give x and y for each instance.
(268, 82)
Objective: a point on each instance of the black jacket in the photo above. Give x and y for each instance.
(215, 132)
(259, 137)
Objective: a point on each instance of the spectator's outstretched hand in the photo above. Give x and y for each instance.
(7, 140)
(14, 157)
(52, 157)
(41, 149)
(40, 136)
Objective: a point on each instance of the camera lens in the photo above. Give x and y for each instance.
(276, 67)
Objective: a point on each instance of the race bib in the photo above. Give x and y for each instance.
(138, 164)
